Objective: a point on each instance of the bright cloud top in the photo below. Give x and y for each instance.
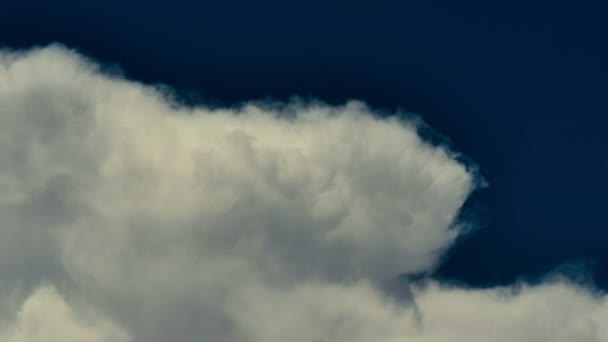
(266, 222)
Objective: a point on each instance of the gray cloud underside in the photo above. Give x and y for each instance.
(126, 217)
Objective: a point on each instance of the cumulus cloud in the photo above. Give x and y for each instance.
(45, 316)
(263, 222)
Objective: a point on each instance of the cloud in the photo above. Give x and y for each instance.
(263, 222)
(45, 316)
(554, 311)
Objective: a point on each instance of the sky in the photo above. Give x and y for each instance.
(304, 171)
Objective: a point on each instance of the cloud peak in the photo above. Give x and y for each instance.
(266, 222)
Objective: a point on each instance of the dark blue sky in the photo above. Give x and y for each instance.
(518, 86)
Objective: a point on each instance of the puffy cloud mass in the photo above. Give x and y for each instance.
(129, 217)
(46, 317)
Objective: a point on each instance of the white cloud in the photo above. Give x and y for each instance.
(258, 223)
(556, 311)
(45, 316)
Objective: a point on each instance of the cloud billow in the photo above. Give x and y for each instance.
(127, 217)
